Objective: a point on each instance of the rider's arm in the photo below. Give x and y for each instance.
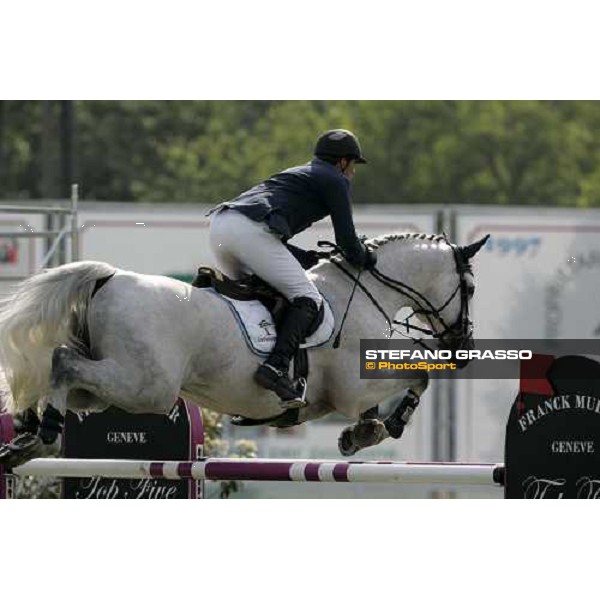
(337, 197)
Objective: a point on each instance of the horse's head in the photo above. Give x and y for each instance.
(435, 279)
(454, 329)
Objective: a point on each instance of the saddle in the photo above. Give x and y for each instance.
(252, 287)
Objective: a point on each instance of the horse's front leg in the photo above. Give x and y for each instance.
(372, 430)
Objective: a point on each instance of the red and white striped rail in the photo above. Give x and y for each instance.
(222, 469)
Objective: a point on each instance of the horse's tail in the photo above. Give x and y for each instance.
(42, 313)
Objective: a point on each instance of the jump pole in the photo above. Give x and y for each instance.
(221, 469)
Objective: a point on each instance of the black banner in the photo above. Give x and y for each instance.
(117, 434)
(552, 447)
(399, 358)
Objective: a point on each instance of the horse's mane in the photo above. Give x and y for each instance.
(381, 240)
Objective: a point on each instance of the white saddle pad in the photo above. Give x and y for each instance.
(258, 327)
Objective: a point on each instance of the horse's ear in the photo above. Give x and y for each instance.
(471, 250)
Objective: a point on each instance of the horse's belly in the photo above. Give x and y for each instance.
(254, 405)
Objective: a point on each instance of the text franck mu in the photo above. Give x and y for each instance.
(557, 403)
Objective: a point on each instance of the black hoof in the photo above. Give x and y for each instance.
(19, 450)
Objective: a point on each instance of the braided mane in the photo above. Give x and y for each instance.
(381, 240)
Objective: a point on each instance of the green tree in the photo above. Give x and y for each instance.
(495, 152)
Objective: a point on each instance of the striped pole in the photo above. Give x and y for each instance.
(223, 469)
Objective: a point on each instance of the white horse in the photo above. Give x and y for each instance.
(140, 341)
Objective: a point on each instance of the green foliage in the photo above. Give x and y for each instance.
(40, 488)
(216, 446)
(497, 152)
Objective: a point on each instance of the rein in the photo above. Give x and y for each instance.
(425, 307)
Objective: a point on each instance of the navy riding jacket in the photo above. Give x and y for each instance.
(291, 201)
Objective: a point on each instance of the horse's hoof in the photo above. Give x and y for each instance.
(369, 432)
(19, 450)
(346, 444)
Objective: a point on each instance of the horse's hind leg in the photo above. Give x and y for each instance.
(127, 385)
(130, 388)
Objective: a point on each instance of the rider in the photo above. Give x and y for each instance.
(249, 235)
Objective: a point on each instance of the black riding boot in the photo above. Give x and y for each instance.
(273, 373)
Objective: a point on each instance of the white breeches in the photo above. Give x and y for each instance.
(245, 247)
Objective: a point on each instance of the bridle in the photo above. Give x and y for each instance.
(461, 328)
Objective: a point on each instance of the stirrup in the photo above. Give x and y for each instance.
(296, 401)
(303, 385)
(300, 402)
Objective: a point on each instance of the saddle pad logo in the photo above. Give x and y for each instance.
(267, 327)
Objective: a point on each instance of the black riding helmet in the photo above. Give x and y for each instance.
(339, 143)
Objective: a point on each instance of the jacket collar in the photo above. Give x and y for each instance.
(318, 161)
